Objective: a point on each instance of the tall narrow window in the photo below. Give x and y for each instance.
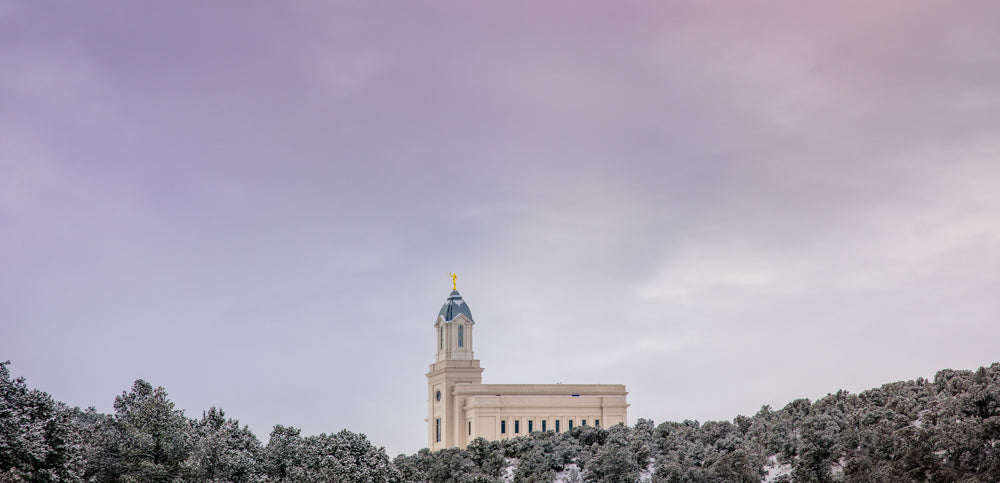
(543, 425)
(557, 425)
(460, 336)
(531, 425)
(517, 426)
(597, 423)
(583, 422)
(570, 427)
(441, 340)
(503, 427)
(470, 428)
(437, 430)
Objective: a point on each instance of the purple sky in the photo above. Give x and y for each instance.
(256, 204)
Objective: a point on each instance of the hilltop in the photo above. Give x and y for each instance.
(945, 429)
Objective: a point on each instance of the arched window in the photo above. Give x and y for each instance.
(460, 336)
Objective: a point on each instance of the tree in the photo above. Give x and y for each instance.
(414, 468)
(283, 453)
(488, 456)
(222, 451)
(100, 445)
(614, 463)
(343, 457)
(618, 460)
(534, 466)
(38, 440)
(153, 437)
(450, 465)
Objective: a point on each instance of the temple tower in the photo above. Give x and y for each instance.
(454, 364)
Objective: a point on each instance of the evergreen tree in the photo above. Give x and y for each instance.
(414, 468)
(153, 438)
(618, 461)
(487, 456)
(283, 453)
(100, 446)
(343, 457)
(38, 439)
(224, 452)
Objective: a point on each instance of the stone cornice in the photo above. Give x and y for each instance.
(539, 389)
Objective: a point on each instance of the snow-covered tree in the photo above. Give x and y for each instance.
(223, 451)
(283, 453)
(347, 457)
(344, 457)
(154, 439)
(487, 456)
(618, 460)
(38, 440)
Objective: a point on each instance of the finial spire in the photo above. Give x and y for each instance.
(454, 281)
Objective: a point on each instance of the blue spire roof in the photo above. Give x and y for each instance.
(454, 306)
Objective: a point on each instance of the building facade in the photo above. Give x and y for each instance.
(461, 408)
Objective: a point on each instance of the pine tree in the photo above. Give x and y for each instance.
(38, 439)
(154, 439)
(222, 451)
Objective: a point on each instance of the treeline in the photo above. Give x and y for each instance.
(147, 440)
(947, 429)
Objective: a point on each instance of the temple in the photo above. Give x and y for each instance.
(461, 408)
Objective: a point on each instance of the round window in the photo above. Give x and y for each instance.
(438, 395)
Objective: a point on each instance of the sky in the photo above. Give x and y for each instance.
(721, 205)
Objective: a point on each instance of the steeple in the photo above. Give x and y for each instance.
(454, 364)
(454, 329)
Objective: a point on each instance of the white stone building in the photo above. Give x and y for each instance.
(461, 408)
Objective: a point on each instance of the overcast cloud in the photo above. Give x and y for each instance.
(256, 204)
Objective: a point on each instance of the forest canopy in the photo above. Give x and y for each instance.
(945, 429)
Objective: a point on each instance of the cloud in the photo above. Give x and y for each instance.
(780, 199)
